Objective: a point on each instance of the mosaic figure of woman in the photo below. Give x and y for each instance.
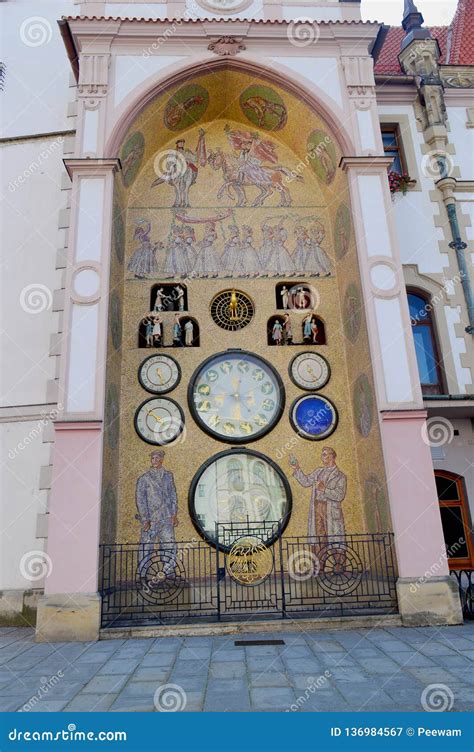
(251, 261)
(231, 259)
(266, 247)
(301, 250)
(143, 261)
(279, 262)
(208, 262)
(180, 253)
(317, 260)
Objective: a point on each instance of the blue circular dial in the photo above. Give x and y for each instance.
(313, 417)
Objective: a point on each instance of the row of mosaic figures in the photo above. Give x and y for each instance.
(183, 256)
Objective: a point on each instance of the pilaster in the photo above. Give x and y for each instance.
(413, 498)
(70, 606)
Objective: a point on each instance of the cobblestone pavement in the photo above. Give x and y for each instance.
(391, 669)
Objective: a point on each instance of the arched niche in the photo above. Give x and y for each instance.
(313, 329)
(190, 333)
(169, 297)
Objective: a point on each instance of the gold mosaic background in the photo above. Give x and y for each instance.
(219, 103)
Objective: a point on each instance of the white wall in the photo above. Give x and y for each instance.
(29, 240)
(463, 139)
(417, 234)
(37, 69)
(34, 102)
(22, 453)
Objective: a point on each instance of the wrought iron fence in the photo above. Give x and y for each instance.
(465, 581)
(252, 572)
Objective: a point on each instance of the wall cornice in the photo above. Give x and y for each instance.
(91, 167)
(90, 33)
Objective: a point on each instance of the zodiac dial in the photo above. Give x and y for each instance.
(236, 396)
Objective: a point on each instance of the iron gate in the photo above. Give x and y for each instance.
(253, 572)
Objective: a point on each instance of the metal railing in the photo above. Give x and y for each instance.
(465, 581)
(243, 577)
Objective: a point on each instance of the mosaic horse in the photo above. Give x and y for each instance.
(270, 180)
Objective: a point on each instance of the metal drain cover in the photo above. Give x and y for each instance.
(250, 643)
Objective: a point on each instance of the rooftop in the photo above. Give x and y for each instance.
(456, 42)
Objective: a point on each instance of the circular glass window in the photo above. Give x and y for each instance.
(238, 493)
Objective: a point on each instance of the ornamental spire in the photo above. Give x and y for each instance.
(412, 24)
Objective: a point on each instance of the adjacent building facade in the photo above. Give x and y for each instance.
(238, 314)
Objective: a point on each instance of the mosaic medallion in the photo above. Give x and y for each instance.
(363, 405)
(342, 231)
(186, 107)
(263, 107)
(352, 312)
(323, 158)
(131, 157)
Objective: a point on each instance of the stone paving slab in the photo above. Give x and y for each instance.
(336, 670)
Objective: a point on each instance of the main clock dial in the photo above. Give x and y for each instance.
(309, 370)
(159, 420)
(159, 374)
(236, 396)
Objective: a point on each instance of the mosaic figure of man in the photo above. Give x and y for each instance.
(328, 490)
(157, 505)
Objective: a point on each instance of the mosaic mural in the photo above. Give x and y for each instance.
(202, 245)
(227, 177)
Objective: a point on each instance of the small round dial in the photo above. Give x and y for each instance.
(309, 371)
(159, 420)
(313, 417)
(236, 396)
(159, 374)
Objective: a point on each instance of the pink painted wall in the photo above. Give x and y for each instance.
(73, 544)
(414, 504)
